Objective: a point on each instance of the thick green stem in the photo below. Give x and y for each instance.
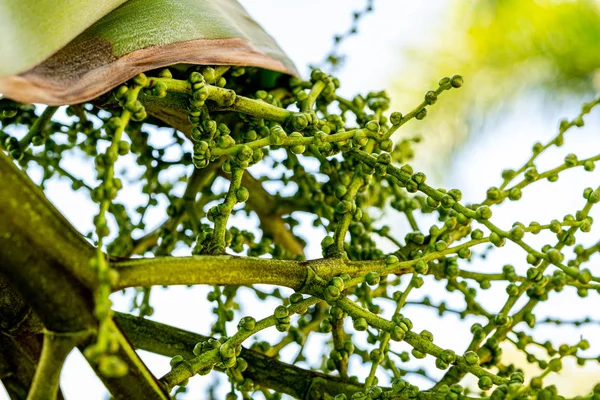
(56, 348)
(263, 370)
(227, 100)
(315, 91)
(46, 262)
(188, 368)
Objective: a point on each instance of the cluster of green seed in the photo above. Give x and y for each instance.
(456, 219)
(234, 122)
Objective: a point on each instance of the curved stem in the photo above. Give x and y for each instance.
(56, 348)
(227, 100)
(415, 340)
(217, 243)
(415, 111)
(188, 368)
(313, 95)
(262, 369)
(38, 126)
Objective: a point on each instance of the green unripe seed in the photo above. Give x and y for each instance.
(514, 194)
(555, 364)
(391, 259)
(421, 267)
(421, 114)
(140, 79)
(456, 81)
(497, 240)
(338, 282)
(512, 290)
(589, 166)
(448, 356)
(176, 360)
(431, 97)
(281, 312)
(536, 383)
(477, 234)
(417, 354)
(471, 358)
(123, 148)
(242, 194)
(298, 149)
(554, 256)
(398, 385)
(464, 253)
(360, 324)
(326, 242)
(441, 245)
(343, 207)
(372, 126)
(332, 293)
(485, 383)
(395, 118)
(372, 278)
(441, 364)
(483, 213)
(397, 334)
(247, 323)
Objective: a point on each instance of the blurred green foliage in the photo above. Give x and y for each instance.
(546, 50)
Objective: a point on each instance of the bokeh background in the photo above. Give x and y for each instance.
(526, 65)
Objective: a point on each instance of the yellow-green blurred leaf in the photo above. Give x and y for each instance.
(545, 49)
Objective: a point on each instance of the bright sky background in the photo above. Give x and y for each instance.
(374, 59)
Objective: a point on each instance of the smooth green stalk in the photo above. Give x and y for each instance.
(587, 108)
(227, 100)
(344, 220)
(415, 340)
(55, 350)
(190, 367)
(315, 91)
(217, 244)
(415, 111)
(38, 127)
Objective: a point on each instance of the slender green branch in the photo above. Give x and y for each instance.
(430, 98)
(190, 367)
(37, 129)
(217, 244)
(227, 100)
(263, 370)
(315, 91)
(556, 141)
(338, 335)
(55, 350)
(416, 341)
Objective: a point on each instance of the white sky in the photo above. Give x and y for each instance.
(377, 50)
